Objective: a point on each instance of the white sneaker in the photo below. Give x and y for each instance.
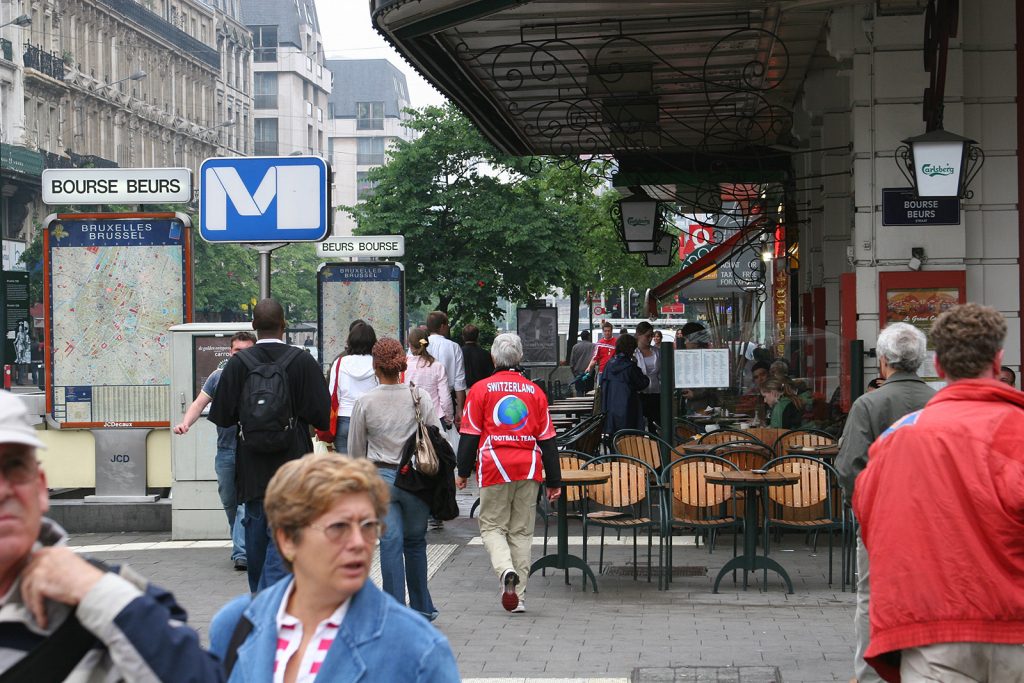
(520, 608)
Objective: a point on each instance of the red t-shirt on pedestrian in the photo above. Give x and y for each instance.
(604, 351)
(510, 415)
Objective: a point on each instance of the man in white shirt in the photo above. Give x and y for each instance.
(450, 355)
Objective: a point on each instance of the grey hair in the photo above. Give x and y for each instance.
(507, 350)
(903, 346)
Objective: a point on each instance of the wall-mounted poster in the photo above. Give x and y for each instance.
(538, 330)
(918, 298)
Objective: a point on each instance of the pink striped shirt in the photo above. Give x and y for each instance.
(289, 637)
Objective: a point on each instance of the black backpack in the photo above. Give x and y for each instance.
(266, 418)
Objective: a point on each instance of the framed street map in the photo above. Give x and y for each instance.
(372, 292)
(115, 284)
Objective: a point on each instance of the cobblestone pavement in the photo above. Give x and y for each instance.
(684, 634)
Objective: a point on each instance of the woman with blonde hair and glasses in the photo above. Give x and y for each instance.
(326, 621)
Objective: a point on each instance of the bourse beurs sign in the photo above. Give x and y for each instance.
(900, 206)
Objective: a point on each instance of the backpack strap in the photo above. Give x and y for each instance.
(242, 630)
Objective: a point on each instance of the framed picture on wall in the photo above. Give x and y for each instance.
(918, 298)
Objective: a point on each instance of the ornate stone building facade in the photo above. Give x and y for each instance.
(127, 83)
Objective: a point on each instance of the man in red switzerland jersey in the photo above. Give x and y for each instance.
(507, 435)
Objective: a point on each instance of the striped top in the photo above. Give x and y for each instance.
(289, 637)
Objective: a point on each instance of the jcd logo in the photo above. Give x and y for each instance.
(272, 199)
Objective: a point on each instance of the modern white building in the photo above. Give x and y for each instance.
(290, 84)
(365, 114)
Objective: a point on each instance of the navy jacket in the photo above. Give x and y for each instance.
(621, 384)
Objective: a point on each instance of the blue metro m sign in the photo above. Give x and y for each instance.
(264, 199)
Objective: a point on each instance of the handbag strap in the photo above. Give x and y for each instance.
(416, 403)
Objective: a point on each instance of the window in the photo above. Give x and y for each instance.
(319, 115)
(265, 90)
(309, 108)
(364, 186)
(370, 151)
(264, 43)
(369, 116)
(265, 137)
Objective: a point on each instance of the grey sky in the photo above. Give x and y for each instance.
(348, 34)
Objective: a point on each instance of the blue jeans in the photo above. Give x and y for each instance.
(265, 565)
(403, 548)
(224, 466)
(341, 435)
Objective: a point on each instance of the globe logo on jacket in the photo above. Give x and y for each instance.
(511, 411)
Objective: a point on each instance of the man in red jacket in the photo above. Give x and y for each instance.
(941, 507)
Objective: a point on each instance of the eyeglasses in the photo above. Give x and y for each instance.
(19, 468)
(340, 532)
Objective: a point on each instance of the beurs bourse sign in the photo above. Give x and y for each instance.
(900, 206)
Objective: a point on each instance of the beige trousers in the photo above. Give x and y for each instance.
(506, 518)
(963, 663)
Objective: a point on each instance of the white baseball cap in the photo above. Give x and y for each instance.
(14, 424)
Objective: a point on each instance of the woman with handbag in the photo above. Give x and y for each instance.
(383, 419)
(351, 376)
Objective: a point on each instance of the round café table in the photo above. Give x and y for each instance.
(562, 559)
(756, 483)
(827, 452)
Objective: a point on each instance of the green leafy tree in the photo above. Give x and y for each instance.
(477, 223)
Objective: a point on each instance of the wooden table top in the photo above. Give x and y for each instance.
(697, 447)
(827, 451)
(733, 478)
(584, 477)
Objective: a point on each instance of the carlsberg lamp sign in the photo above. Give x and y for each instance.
(937, 166)
(639, 222)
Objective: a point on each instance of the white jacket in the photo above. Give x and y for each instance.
(354, 377)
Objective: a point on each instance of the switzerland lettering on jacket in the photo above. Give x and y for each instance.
(510, 415)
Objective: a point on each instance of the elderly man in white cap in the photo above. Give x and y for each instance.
(63, 617)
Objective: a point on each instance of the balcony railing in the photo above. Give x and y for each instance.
(158, 26)
(6, 50)
(49, 63)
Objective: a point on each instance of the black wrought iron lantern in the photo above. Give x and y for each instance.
(639, 223)
(662, 253)
(940, 163)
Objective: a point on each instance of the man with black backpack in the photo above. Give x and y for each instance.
(271, 393)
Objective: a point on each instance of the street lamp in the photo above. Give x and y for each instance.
(940, 163)
(136, 76)
(23, 20)
(639, 220)
(661, 255)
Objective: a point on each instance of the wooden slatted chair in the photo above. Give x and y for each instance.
(724, 436)
(801, 437)
(697, 505)
(745, 455)
(644, 446)
(818, 490)
(686, 430)
(622, 503)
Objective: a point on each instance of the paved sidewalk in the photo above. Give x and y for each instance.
(567, 634)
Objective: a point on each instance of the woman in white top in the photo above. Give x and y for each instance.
(648, 360)
(351, 377)
(429, 374)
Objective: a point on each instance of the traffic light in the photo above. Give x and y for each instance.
(615, 302)
(634, 304)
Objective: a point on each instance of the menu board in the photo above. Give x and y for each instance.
(702, 368)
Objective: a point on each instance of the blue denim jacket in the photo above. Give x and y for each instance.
(379, 640)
